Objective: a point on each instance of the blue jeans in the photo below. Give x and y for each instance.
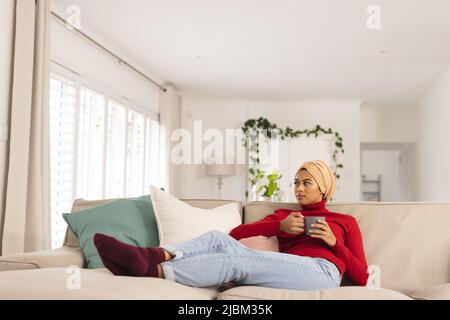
(215, 258)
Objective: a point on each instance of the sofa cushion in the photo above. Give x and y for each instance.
(342, 293)
(439, 292)
(178, 221)
(62, 284)
(129, 220)
(408, 241)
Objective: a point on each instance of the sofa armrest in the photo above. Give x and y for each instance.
(61, 257)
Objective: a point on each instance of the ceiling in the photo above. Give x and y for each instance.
(280, 49)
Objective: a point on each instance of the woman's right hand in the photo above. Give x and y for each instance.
(293, 224)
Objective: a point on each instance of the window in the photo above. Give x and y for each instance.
(99, 148)
(62, 152)
(116, 153)
(90, 145)
(135, 153)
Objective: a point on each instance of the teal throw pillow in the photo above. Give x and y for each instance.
(129, 220)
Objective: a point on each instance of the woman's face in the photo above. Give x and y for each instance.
(306, 189)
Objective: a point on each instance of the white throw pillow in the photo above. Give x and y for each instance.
(178, 221)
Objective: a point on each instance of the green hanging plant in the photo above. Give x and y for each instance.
(253, 127)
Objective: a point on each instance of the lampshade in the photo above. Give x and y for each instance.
(220, 170)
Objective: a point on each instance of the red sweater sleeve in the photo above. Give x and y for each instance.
(268, 226)
(352, 253)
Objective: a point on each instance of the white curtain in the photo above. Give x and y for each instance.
(27, 210)
(170, 119)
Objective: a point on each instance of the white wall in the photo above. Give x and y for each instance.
(220, 114)
(389, 125)
(95, 65)
(433, 149)
(6, 25)
(342, 116)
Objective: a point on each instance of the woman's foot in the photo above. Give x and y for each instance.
(115, 269)
(120, 257)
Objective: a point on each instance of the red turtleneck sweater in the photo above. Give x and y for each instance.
(348, 253)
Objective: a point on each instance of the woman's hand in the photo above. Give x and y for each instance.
(323, 233)
(293, 224)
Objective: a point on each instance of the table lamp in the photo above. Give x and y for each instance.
(220, 171)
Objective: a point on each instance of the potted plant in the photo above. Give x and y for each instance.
(272, 189)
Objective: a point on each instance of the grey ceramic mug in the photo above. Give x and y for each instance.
(309, 221)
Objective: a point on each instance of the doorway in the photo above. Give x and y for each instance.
(386, 171)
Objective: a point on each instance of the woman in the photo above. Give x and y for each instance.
(304, 262)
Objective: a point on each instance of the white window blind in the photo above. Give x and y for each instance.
(90, 150)
(136, 154)
(116, 152)
(62, 152)
(100, 148)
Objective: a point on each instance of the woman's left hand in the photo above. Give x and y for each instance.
(323, 231)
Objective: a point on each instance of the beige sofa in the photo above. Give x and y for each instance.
(408, 242)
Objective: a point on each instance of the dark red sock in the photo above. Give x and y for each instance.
(137, 261)
(115, 269)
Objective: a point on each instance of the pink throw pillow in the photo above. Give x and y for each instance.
(261, 243)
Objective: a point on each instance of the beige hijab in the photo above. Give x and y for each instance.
(323, 175)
